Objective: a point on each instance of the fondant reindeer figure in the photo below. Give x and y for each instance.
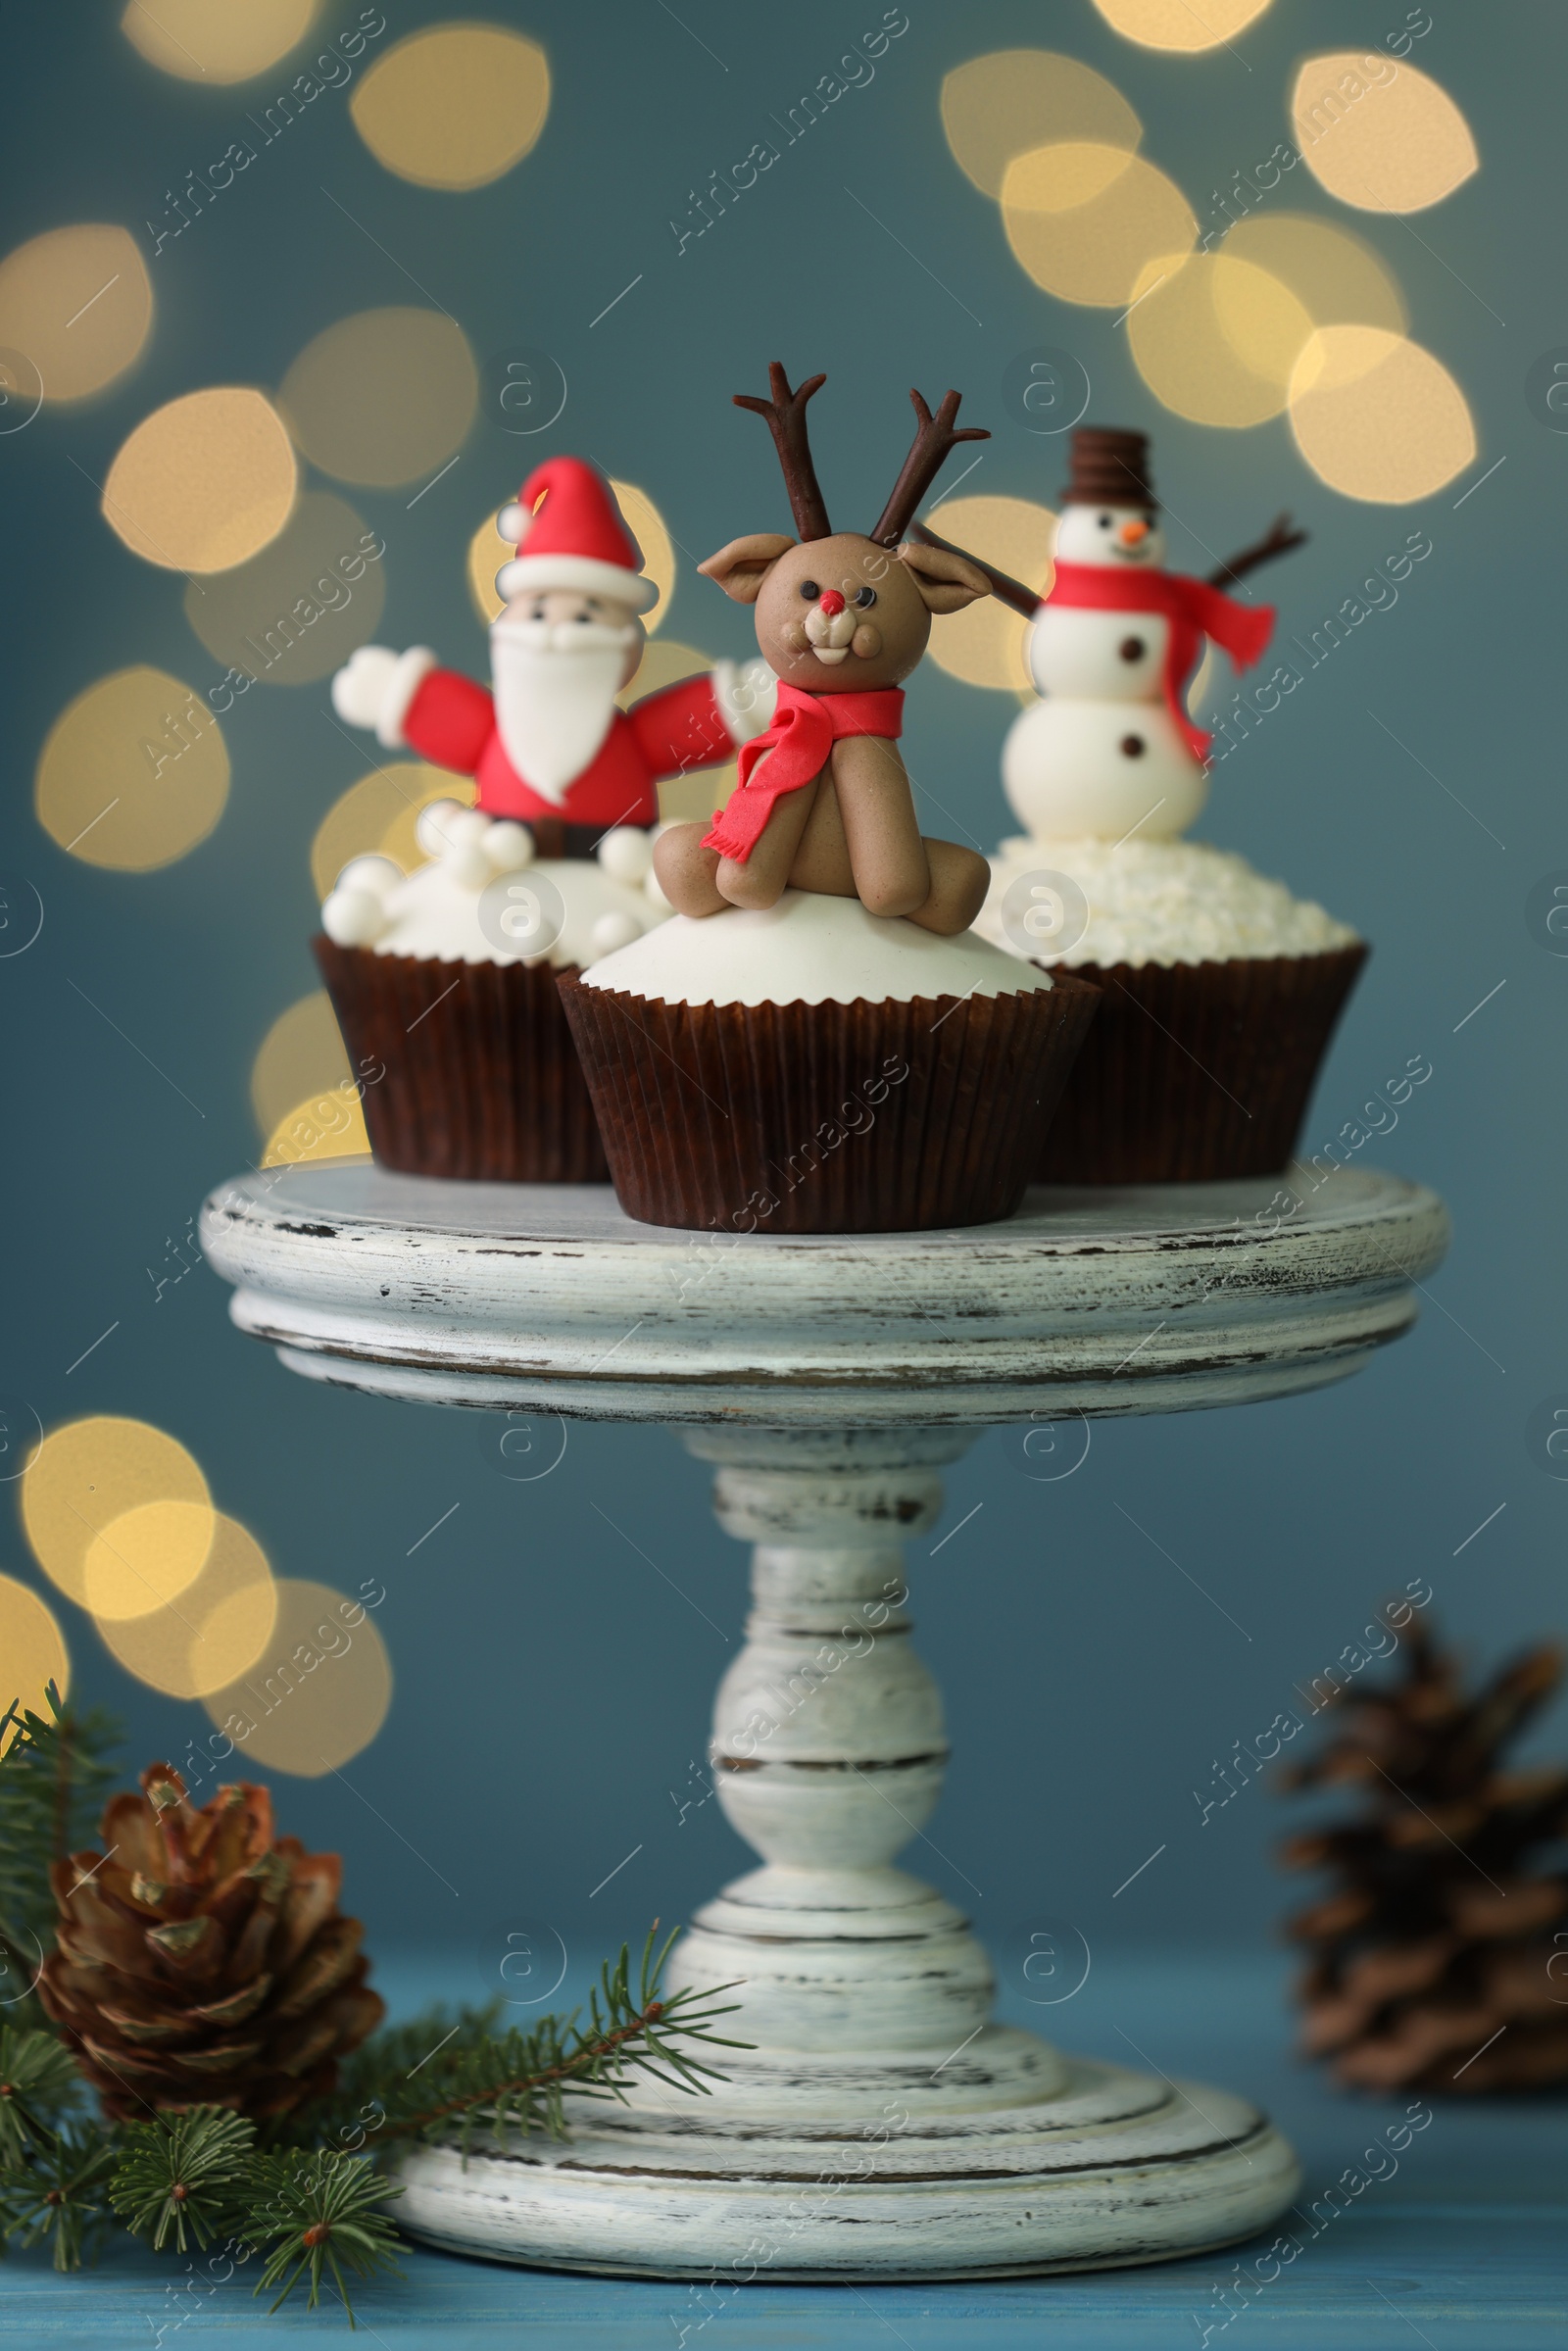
(824, 801)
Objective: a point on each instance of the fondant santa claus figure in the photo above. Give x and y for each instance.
(548, 744)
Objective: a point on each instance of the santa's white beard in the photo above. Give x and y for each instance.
(555, 688)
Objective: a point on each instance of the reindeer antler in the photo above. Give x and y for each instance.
(786, 422)
(934, 437)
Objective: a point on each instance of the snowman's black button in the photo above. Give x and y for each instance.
(1130, 649)
(1132, 746)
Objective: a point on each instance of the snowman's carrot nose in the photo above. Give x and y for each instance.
(1131, 532)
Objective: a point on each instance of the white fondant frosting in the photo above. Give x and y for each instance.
(1163, 902)
(807, 950)
(435, 912)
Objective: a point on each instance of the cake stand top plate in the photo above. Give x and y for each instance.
(532, 1297)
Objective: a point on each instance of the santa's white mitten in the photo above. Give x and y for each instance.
(375, 687)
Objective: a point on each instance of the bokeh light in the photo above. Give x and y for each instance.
(1338, 279)
(33, 1653)
(213, 1632)
(454, 105)
(326, 1125)
(664, 663)
(984, 643)
(1216, 339)
(145, 1558)
(1085, 220)
(1000, 106)
(1389, 140)
(383, 396)
(1185, 24)
(1376, 416)
(133, 773)
(87, 1473)
(299, 610)
(320, 1691)
(77, 303)
(300, 1055)
(216, 41)
(205, 482)
(488, 550)
(377, 817)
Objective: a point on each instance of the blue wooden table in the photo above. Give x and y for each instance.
(1464, 2248)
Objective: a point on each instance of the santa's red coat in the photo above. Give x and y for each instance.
(452, 722)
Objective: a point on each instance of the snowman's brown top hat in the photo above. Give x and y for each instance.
(1109, 468)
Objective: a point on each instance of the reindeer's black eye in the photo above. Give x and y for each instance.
(866, 598)
(809, 590)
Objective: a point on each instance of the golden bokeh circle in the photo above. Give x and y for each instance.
(664, 663)
(1216, 339)
(302, 1054)
(33, 1653)
(1084, 220)
(205, 482)
(318, 1692)
(488, 550)
(383, 396)
(217, 40)
(88, 1473)
(300, 607)
(209, 1634)
(1377, 417)
(145, 1558)
(1334, 275)
(1389, 142)
(1189, 25)
(377, 817)
(454, 105)
(996, 107)
(329, 1125)
(133, 773)
(984, 645)
(77, 303)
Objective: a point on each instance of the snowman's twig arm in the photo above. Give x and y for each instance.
(1280, 539)
(1002, 584)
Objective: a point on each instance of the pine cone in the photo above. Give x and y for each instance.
(199, 1962)
(1435, 1966)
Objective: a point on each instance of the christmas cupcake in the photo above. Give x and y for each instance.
(1219, 990)
(448, 976)
(812, 1067)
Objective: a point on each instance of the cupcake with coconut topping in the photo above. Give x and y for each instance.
(447, 975)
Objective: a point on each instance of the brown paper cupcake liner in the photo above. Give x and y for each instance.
(1194, 1072)
(825, 1119)
(482, 1077)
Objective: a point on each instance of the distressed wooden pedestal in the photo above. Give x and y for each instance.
(881, 2127)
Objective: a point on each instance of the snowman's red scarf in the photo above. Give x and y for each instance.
(1193, 608)
(801, 738)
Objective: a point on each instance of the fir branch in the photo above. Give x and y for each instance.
(60, 2192)
(38, 2085)
(191, 2171)
(55, 1772)
(319, 2212)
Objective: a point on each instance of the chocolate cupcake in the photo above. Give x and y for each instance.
(446, 978)
(1220, 993)
(811, 1067)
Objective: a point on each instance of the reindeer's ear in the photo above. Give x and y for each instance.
(946, 579)
(740, 568)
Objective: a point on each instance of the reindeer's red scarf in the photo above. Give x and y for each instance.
(801, 738)
(1194, 610)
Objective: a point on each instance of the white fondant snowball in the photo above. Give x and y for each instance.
(508, 846)
(618, 929)
(626, 853)
(354, 917)
(430, 826)
(467, 865)
(379, 875)
(465, 825)
(807, 950)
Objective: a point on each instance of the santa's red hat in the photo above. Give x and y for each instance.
(571, 534)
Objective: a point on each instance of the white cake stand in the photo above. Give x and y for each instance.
(881, 2127)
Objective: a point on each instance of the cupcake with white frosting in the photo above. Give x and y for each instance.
(811, 1067)
(447, 977)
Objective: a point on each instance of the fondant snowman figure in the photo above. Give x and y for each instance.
(1110, 749)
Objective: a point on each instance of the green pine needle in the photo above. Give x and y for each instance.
(61, 2193)
(38, 2085)
(55, 1772)
(320, 2213)
(186, 2172)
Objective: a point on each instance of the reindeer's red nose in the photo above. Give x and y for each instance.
(832, 602)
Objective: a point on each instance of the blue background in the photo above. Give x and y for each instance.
(552, 1689)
